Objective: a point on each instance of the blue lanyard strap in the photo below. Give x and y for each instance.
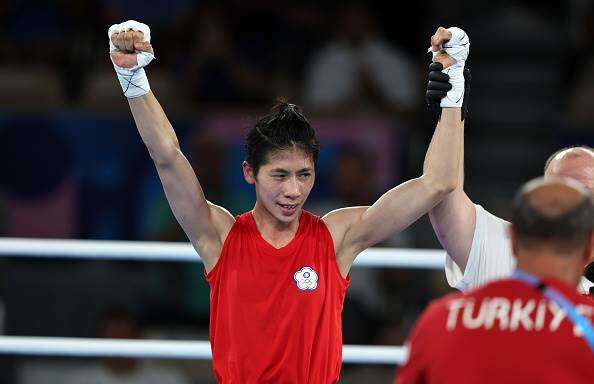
(556, 296)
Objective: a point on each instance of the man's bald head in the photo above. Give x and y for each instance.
(576, 163)
(553, 211)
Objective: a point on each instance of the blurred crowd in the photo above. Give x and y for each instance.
(329, 56)
(74, 167)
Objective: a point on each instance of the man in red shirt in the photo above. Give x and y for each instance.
(531, 328)
(278, 274)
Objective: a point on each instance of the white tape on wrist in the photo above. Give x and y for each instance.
(133, 80)
(458, 47)
(134, 83)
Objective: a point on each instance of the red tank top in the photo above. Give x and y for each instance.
(275, 314)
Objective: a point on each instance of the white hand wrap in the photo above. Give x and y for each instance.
(458, 47)
(133, 80)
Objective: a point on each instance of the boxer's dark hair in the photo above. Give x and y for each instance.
(284, 127)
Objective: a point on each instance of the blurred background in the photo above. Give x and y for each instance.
(74, 167)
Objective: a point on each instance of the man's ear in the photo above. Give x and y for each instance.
(248, 173)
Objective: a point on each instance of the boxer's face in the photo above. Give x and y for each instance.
(574, 163)
(283, 183)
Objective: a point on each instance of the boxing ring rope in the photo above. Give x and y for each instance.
(164, 251)
(168, 251)
(166, 349)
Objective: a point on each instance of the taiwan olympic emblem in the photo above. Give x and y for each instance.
(306, 278)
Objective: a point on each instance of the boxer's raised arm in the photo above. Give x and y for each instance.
(205, 224)
(453, 219)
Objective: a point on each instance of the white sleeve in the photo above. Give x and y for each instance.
(490, 255)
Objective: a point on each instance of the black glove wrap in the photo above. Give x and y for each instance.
(438, 85)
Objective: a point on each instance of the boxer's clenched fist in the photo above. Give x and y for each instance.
(124, 41)
(130, 51)
(451, 48)
(128, 44)
(128, 59)
(439, 37)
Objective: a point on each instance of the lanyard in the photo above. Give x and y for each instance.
(556, 296)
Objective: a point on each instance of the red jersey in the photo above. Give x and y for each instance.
(503, 332)
(275, 314)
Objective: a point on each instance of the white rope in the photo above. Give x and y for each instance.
(200, 350)
(163, 251)
(166, 251)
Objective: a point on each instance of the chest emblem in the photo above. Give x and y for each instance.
(306, 278)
